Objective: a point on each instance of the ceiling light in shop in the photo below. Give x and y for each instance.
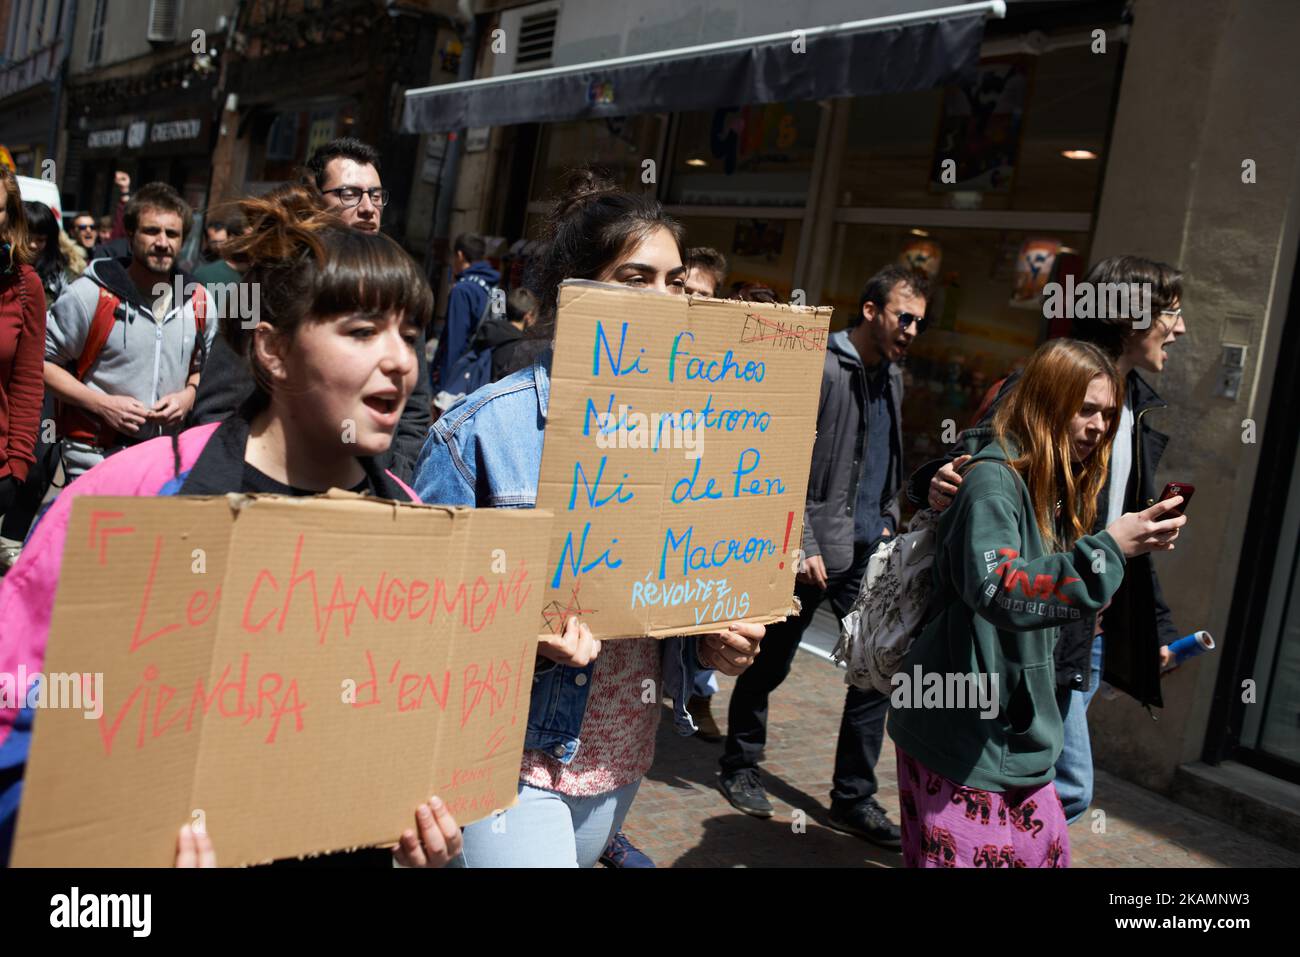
(696, 161)
(1079, 154)
(918, 232)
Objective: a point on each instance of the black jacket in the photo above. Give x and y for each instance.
(501, 336)
(227, 382)
(1138, 621)
(828, 524)
(220, 466)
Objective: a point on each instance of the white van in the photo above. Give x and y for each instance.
(42, 191)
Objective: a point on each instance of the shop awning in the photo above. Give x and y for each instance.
(896, 54)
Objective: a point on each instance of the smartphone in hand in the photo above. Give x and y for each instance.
(1179, 488)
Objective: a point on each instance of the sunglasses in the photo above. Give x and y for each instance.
(82, 227)
(905, 319)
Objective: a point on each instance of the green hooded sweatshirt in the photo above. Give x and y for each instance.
(1002, 596)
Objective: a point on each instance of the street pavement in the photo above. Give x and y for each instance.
(681, 819)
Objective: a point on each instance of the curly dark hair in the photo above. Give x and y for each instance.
(592, 223)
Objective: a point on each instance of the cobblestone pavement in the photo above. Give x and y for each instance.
(681, 819)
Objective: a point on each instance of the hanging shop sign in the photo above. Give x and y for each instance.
(150, 136)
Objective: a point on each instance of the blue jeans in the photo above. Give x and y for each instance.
(705, 684)
(547, 829)
(1074, 766)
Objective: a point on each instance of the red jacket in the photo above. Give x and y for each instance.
(22, 369)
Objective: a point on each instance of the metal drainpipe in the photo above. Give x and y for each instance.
(451, 163)
(53, 151)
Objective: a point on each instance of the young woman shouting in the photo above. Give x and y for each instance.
(340, 314)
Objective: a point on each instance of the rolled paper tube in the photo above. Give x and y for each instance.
(1189, 646)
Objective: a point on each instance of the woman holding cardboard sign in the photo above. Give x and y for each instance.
(334, 342)
(487, 451)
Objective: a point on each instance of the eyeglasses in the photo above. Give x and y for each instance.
(350, 196)
(82, 227)
(1176, 313)
(905, 319)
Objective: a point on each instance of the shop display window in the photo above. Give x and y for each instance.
(620, 145)
(983, 323)
(1006, 134)
(757, 250)
(756, 155)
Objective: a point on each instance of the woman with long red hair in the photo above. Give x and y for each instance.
(1014, 562)
(22, 344)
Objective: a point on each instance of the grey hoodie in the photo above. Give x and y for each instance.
(143, 358)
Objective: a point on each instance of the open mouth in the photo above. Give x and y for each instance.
(384, 405)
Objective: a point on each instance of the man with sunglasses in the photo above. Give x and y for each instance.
(857, 471)
(83, 232)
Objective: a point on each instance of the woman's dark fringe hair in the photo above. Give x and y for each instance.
(41, 222)
(309, 264)
(592, 222)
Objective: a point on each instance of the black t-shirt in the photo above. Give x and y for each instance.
(262, 484)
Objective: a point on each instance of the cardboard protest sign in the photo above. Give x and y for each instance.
(296, 674)
(679, 433)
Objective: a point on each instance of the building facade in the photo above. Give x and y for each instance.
(34, 42)
(141, 88)
(301, 74)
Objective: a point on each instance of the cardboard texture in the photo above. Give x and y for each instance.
(298, 674)
(690, 516)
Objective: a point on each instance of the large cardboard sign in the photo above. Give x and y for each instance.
(296, 674)
(679, 433)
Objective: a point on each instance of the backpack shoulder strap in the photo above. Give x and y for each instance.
(199, 355)
(200, 310)
(101, 325)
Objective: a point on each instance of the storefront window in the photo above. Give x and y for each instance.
(620, 145)
(997, 143)
(977, 334)
(757, 155)
(291, 136)
(757, 250)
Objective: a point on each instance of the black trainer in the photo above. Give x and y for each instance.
(744, 789)
(867, 820)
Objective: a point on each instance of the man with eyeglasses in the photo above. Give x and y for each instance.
(857, 471)
(346, 172)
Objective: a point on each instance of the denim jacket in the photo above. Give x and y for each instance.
(486, 451)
